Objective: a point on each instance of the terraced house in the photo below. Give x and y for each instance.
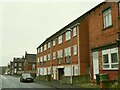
(87, 46)
(104, 38)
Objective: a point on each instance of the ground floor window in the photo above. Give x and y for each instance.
(110, 58)
(75, 70)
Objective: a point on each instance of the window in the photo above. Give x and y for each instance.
(41, 60)
(67, 35)
(107, 18)
(75, 49)
(15, 64)
(74, 31)
(49, 70)
(54, 42)
(38, 60)
(20, 69)
(41, 48)
(119, 8)
(48, 56)
(33, 66)
(48, 44)
(75, 70)
(54, 55)
(20, 64)
(38, 50)
(45, 58)
(45, 47)
(67, 51)
(60, 54)
(60, 39)
(110, 58)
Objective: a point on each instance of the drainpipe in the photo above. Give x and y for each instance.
(78, 47)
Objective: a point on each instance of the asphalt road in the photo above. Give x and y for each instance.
(7, 81)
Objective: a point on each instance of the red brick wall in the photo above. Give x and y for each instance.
(98, 36)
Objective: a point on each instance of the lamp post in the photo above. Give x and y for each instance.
(69, 29)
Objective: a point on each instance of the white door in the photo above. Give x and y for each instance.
(95, 64)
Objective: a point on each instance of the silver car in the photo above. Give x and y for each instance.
(26, 77)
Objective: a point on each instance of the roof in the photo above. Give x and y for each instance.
(31, 57)
(18, 60)
(70, 24)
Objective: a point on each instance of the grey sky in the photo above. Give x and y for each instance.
(25, 25)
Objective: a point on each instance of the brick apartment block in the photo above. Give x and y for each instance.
(87, 46)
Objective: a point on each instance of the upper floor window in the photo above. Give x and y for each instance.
(45, 58)
(48, 56)
(48, 44)
(38, 60)
(60, 54)
(67, 35)
(53, 42)
(20, 64)
(15, 64)
(54, 55)
(41, 49)
(75, 49)
(41, 59)
(38, 50)
(74, 31)
(119, 7)
(107, 18)
(45, 47)
(60, 39)
(67, 51)
(110, 58)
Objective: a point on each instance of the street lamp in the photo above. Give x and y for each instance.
(69, 29)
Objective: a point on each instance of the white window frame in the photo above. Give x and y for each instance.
(49, 57)
(75, 49)
(74, 31)
(20, 64)
(76, 70)
(60, 39)
(48, 44)
(67, 51)
(60, 54)
(41, 49)
(67, 35)
(54, 55)
(49, 71)
(45, 47)
(54, 42)
(45, 57)
(107, 18)
(41, 59)
(109, 52)
(15, 64)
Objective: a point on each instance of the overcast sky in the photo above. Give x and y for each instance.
(25, 24)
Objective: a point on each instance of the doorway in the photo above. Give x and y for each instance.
(60, 73)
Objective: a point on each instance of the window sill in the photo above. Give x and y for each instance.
(109, 69)
(107, 27)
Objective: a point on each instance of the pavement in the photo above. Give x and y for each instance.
(56, 84)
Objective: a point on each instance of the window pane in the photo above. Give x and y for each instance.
(114, 66)
(106, 66)
(119, 8)
(107, 18)
(114, 58)
(74, 31)
(105, 58)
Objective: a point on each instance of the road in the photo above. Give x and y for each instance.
(7, 81)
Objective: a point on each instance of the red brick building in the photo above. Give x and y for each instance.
(65, 52)
(90, 48)
(103, 39)
(30, 63)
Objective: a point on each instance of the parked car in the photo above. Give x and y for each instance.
(26, 77)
